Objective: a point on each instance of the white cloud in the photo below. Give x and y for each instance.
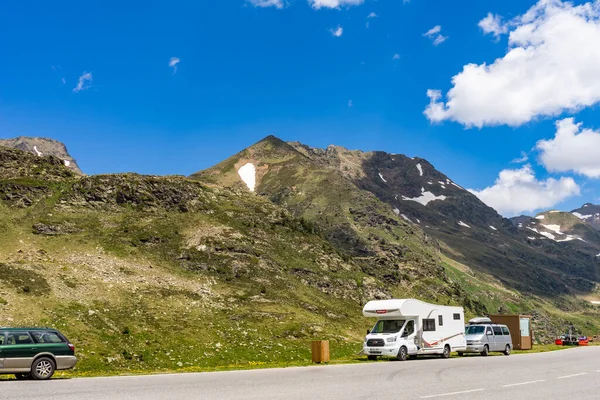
(173, 63)
(337, 32)
(267, 3)
(517, 191)
(84, 82)
(551, 66)
(524, 158)
(350, 103)
(433, 31)
(493, 24)
(63, 80)
(572, 149)
(317, 4)
(372, 15)
(435, 35)
(396, 56)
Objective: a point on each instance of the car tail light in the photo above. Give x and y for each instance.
(72, 346)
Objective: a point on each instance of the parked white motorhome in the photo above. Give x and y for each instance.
(409, 327)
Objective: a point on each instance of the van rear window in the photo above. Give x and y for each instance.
(505, 330)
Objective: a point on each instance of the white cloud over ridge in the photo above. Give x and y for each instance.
(551, 66)
(317, 4)
(84, 82)
(572, 149)
(517, 191)
(267, 3)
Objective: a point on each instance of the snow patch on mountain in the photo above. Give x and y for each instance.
(493, 228)
(463, 224)
(420, 169)
(425, 197)
(540, 217)
(248, 174)
(382, 178)
(39, 153)
(553, 228)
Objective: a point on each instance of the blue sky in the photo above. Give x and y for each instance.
(247, 71)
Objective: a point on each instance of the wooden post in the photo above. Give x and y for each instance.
(320, 351)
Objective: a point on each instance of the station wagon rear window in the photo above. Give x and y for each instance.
(47, 337)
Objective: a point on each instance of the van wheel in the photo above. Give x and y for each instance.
(22, 377)
(486, 351)
(507, 350)
(446, 352)
(372, 358)
(402, 354)
(42, 369)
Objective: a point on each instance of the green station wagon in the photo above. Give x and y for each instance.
(34, 353)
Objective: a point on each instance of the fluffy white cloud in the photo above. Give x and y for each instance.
(551, 66)
(572, 149)
(84, 82)
(435, 35)
(316, 4)
(396, 56)
(517, 191)
(337, 32)
(266, 3)
(372, 15)
(493, 24)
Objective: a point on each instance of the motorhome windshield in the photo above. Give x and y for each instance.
(388, 326)
(474, 330)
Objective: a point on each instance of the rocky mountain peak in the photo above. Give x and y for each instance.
(43, 147)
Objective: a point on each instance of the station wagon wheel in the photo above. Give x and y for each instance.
(507, 350)
(446, 352)
(42, 368)
(402, 354)
(486, 351)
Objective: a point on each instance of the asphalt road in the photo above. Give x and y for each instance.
(567, 374)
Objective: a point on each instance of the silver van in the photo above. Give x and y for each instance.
(483, 337)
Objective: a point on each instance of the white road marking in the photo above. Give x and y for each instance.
(572, 376)
(452, 394)
(524, 383)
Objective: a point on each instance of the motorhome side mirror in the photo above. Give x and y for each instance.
(368, 331)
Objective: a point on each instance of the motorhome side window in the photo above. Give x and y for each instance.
(440, 320)
(410, 328)
(456, 317)
(428, 325)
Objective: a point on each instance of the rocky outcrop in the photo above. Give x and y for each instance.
(43, 147)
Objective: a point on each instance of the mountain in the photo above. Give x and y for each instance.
(331, 187)
(252, 259)
(468, 230)
(590, 214)
(43, 147)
